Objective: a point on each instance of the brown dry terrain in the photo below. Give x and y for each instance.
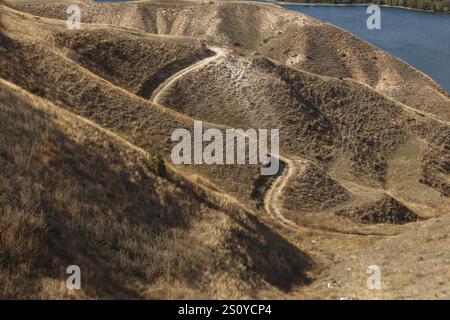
(86, 176)
(74, 193)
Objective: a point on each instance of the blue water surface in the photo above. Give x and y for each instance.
(421, 39)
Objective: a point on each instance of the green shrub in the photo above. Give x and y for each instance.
(35, 89)
(156, 165)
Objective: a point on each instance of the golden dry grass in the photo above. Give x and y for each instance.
(71, 195)
(78, 166)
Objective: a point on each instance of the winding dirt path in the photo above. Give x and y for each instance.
(271, 199)
(272, 196)
(156, 95)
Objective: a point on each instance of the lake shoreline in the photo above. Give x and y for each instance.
(280, 3)
(441, 82)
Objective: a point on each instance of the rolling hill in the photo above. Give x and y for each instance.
(87, 178)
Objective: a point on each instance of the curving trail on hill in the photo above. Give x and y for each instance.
(272, 196)
(218, 53)
(271, 199)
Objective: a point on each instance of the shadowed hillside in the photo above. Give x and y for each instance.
(70, 194)
(87, 178)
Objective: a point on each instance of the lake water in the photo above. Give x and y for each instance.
(421, 39)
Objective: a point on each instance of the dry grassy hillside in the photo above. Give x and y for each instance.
(35, 61)
(135, 63)
(324, 120)
(70, 194)
(413, 266)
(87, 179)
(283, 35)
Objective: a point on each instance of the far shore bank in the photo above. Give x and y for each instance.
(320, 4)
(323, 4)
